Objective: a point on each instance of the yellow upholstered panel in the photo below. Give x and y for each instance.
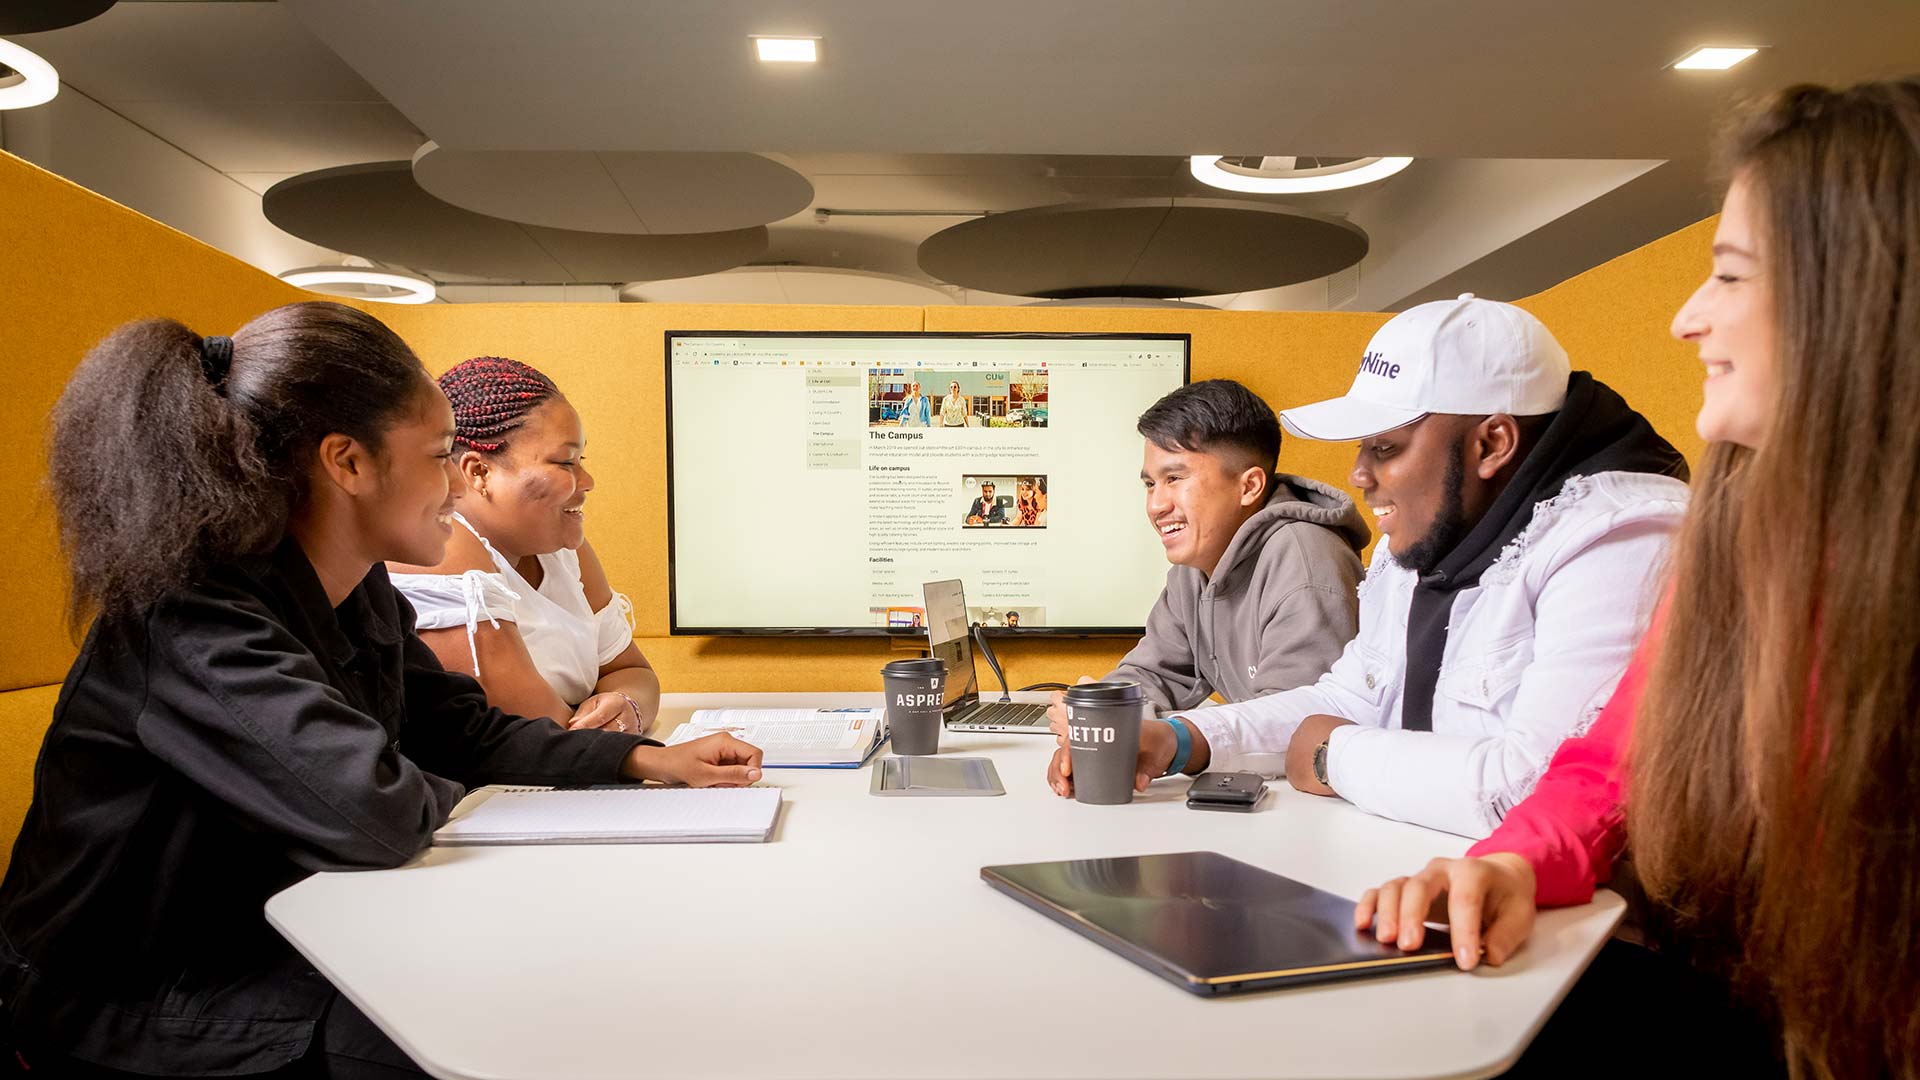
(76, 266)
(24, 715)
(1613, 320)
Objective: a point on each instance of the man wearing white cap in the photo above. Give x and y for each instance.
(1525, 512)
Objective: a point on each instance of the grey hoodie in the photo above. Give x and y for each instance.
(1278, 610)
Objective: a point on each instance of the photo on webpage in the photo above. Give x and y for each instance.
(1014, 501)
(956, 398)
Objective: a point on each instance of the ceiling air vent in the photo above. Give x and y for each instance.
(1343, 287)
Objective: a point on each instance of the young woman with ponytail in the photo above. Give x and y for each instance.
(519, 599)
(1761, 758)
(250, 703)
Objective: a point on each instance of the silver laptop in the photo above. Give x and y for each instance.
(950, 639)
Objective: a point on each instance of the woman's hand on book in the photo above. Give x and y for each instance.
(717, 760)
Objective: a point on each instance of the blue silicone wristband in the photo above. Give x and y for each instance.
(1182, 746)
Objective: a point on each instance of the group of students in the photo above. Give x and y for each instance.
(1565, 653)
(324, 596)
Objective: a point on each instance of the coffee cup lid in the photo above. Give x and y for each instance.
(1117, 692)
(926, 665)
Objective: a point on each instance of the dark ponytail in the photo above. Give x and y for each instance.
(170, 454)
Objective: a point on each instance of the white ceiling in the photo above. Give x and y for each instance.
(241, 86)
(1542, 127)
(1460, 79)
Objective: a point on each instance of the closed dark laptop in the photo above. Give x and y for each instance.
(1211, 924)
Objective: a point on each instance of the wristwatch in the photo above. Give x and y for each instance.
(1320, 763)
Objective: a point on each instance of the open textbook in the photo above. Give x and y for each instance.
(795, 738)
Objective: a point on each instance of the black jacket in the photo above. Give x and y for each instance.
(238, 737)
(989, 511)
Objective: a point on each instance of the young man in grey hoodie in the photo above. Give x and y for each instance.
(1261, 596)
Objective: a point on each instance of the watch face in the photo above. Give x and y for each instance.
(1320, 763)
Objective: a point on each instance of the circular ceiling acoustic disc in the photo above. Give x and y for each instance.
(615, 192)
(379, 212)
(790, 285)
(39, 16)
(1142, 247)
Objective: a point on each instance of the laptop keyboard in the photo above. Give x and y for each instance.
(1006, 712)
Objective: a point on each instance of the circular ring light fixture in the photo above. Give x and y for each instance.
(25, 79)
(1215, 170)
(356, 283)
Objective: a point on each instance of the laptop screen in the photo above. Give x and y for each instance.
(949, 639)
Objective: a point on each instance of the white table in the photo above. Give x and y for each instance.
(861, 943)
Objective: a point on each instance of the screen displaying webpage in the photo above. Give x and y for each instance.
(818, 482)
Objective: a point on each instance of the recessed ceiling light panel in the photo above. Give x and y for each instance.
(786, 50)
(1712, 58)
(1286, 176)
(356, 283)
(31, 81)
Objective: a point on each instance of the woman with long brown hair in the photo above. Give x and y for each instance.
(1763, 752)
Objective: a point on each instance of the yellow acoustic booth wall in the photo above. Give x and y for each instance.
(1614, 321)
(76, 267)
(23, 720)
(79, 265)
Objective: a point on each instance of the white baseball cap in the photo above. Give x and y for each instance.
(1467, 357)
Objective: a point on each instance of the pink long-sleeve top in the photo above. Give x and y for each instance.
(1573, 826)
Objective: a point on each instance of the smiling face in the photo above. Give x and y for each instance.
(528, 499)
(1412, 479)
(1197, 501)
(411, 520)
(1730, 320)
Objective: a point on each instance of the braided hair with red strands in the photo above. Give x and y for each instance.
(491, 396)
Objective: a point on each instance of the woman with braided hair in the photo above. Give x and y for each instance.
(520, 599)
(251, 704)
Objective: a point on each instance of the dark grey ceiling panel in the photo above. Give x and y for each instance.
(614, 192)
(37, 16)
(378, 211)
(1142, 247)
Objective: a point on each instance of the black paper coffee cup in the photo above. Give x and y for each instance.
(915, 692)
(1103, 736)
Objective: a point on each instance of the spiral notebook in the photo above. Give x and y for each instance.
(616, 815)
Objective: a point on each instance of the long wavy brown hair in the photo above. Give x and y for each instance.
(1775, 784)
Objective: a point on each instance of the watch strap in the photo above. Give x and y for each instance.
(1182, 746)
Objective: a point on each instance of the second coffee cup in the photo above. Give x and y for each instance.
(915, 692)
(1103, 736)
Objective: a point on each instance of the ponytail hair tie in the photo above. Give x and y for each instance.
(216, 356)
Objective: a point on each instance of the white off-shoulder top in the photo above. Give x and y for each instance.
(568, 640)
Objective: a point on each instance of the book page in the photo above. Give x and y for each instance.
(785, 729)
